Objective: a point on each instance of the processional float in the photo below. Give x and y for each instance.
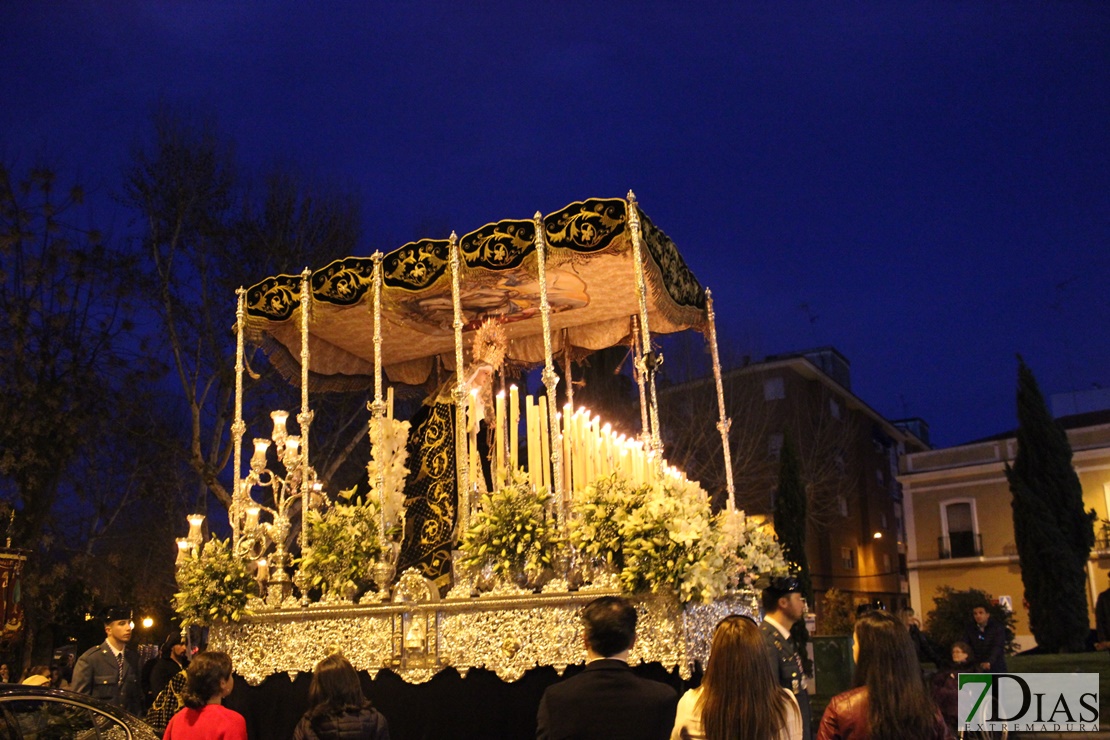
(593, 275)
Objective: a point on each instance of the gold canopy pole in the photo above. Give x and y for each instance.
(462, 463)
(304, 419)
(724, 423)
(383, 569)
(566, 365)
(637, 354)
(649, 359)
(238, 426)
(550, 378)
(377, 408)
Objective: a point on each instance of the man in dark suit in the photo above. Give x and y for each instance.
(783, 605)
(110, 671)
(607, 700)
(987, 638)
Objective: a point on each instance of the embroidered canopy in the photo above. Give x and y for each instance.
(591, 287)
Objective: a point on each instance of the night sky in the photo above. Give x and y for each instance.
(925, 186)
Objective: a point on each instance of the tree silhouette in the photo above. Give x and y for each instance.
(1053, 532)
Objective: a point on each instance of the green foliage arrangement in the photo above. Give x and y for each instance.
(951, 617)
(511, 531)
(601, 510)
(214, 585)
(343, 542)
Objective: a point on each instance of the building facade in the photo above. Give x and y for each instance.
(959, 521)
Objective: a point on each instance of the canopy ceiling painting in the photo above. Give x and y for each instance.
(591, 288)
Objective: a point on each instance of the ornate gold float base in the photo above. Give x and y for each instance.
(506, 633)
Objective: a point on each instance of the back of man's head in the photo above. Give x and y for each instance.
(610, 623)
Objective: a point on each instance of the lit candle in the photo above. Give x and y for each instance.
(579, 450)
(183, 547)
(252, 517)
(292, 448)
(499, 437)
(544, 429)
(263, 573)
(568, 483)
(196, 521)
(258, 460)
(514, 424)
(472, 438)
(607, 449)
(533, 442)
(279, 417)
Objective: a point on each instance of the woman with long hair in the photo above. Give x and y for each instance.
(739, 696)
(208, 680)
(339, 710)
(890, 700)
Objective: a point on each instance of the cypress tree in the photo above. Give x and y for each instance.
(790, 528)
(1053, 532)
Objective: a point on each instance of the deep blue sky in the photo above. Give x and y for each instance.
(925, 186)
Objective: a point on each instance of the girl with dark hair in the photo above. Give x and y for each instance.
(889, 701)
(208, 681)
(339, 710)
(739, 696)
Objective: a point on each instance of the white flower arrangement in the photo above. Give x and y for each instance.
(664, 538)
(670, 544)
(749, 550)
(393, 457)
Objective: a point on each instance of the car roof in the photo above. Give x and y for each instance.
(15, 691)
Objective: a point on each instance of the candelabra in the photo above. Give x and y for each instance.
(298, 484)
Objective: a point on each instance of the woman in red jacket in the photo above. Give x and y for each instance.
(890, 701)
(208, 681)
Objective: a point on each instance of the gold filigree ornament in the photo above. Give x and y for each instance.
(490, 344)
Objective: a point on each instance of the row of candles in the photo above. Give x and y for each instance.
(590, 449)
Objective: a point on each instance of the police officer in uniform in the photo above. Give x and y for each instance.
(110, 671)
(783, 605)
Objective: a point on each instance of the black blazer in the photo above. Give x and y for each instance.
(606, 701)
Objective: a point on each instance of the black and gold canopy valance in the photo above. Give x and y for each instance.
(591, 287)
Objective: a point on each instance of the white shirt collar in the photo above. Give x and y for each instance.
(782, 630)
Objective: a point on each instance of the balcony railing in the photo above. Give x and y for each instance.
(960, 545)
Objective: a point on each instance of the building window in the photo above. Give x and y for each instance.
(882, 520)
(848, 558)
(842, 505)
(773, 389)
(834, 408)
(774, 446)
(886, 564)
(879, 477)
(960, 537)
